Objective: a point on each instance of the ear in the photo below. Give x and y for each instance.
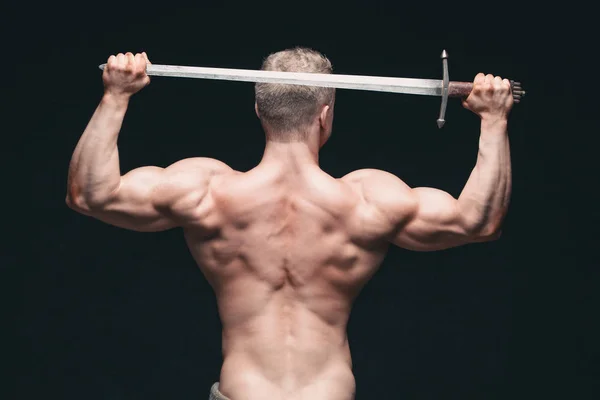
(323, 117)
(256, 110)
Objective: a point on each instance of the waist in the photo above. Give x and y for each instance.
(286, 348)
(288, 376)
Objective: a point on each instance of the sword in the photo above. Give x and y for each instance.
(428, 87)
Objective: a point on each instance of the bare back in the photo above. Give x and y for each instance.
(286, 256)
(287, 251)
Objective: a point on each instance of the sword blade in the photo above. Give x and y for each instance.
(428, 87)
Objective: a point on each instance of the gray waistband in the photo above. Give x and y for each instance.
(215, 394)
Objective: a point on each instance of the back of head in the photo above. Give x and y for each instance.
(287, 110)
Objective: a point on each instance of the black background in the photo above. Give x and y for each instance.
(98, 312)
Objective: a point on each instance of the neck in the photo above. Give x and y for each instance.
(291, 155)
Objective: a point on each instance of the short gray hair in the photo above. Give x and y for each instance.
(286, 108)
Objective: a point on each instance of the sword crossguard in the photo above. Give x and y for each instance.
(445, 85)
(463, 89)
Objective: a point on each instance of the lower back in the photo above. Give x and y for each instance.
(286, 357)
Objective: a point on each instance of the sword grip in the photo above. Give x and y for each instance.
(459, 89)
(463, 89)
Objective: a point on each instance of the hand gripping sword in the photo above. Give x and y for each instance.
(429, 87)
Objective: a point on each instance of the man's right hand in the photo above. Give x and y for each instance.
(125, 74)
(491, 97)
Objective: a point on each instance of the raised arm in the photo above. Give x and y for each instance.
(149, 199)
(427, 219)
(145, 199)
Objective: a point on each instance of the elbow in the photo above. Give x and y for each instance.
(77, 202)
(87, 201)
(479, 230)
(482, 225)
(487, 233)
(491, 235)
(69, 201)
(72, 199)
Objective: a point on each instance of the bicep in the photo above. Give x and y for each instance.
(437, 223)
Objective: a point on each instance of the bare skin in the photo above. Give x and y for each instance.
(286, 247)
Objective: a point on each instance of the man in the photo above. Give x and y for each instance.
(285, 246)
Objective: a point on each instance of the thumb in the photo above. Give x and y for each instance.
(146, 57)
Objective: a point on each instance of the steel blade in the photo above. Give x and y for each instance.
(428, 87)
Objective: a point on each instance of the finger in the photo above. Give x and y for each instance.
(488, 84)
(478, 82)
(110, 63)
(146, 56)
(140, 62)
(130, 59)
(498, 83)
(506, 84)
(120, 60)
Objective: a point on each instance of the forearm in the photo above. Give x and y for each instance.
(94, 171)
(486, 195)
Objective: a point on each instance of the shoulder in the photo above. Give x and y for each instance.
(186, 182)
(193, 172)
(203, 165)
(378, 183)
(383, 192)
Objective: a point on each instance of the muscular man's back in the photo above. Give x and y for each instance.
(286, 254)
(285, 246)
